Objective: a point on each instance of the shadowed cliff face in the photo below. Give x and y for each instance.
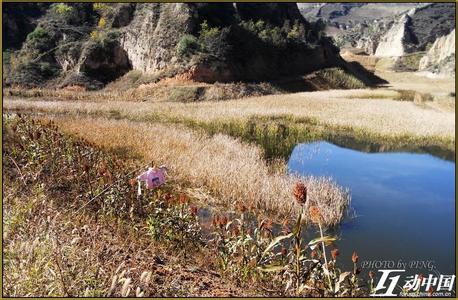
(92, 45)
(19, 20)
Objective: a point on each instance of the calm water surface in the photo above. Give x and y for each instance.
(404, 203)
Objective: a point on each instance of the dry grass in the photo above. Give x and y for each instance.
(53, 245)
(232, 171)
(379, 116)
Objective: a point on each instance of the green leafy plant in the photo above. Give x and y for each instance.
(175, 221)
(62, 8)
(188, 45)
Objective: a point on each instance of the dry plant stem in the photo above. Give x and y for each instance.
(57, 258)
(298, 243)
(324, 255)
(19, 170)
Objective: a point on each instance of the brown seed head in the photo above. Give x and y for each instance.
(300, 193)
(284, 227)
(371, 274)
(183, 199)
(241, 207)
(215, 221)
(235, 231)
(334, 253)
(133, 182)
(354, 257)
(315, 214)
(313, 254)
(223, 221)
(194, 210)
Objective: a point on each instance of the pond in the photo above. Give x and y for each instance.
(404, 204)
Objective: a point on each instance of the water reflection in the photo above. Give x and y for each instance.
(405, 203)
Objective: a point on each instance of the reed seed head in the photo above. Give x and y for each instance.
(300, 193)
(315, 214)
(354, 257)
(371, 274)
(334, 253)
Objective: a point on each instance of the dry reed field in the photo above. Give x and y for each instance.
(231, 170)
(343, 108)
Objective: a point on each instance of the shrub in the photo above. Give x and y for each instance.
(62, 8)
(38, 33)
(102, 22)
(297, 32)
(213, 40)
(188, 45)
(185, 94)
(101, 8)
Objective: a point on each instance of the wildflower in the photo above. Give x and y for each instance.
(313, 254)
(357, 271)
(371, 274)
(354, 257)
(300, 193)
(334, 253)
(315, 214)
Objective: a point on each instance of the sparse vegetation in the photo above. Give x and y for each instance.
(409, 62)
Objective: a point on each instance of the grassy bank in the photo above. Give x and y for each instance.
(278, 124)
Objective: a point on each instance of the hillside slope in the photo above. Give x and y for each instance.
(93, 44)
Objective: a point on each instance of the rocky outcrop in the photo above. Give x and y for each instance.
(150, 39)
(374, 25)
(439, 55)
(367, 44)
(393, 42)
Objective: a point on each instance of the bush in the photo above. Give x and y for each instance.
(62, 8)
(213, 40)
(188, 45)
(38, 33)
(185, 94)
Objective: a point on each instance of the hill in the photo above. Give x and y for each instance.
(94, 44)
